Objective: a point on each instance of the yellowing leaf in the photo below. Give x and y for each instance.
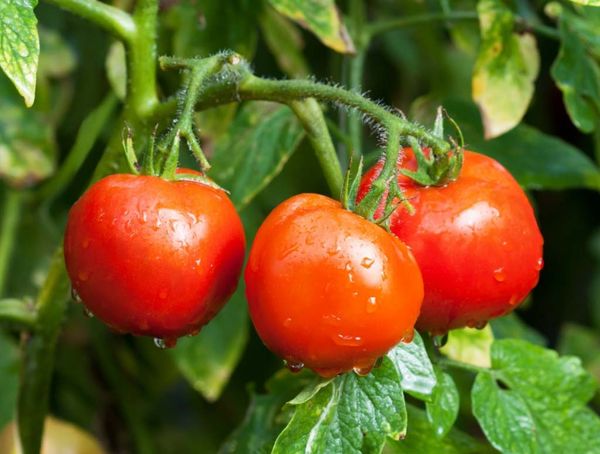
(505, 70)
(320, 17)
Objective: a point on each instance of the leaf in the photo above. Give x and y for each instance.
(421, 438)
(554, 389)
(470, 345)
(414, 368)
(208, 359)
(9, 379)
(258, 144)
(351, 414)
(57, 59)
(201, 27)
(577, 73)
(19, 45)
(503, 416)
(320, 17)
(285, 43)
(511, 326)
(443, 408)
(584, 343)
(505, 70)
(116, 69)
(535, 159)
(27, 149)
(587, 2)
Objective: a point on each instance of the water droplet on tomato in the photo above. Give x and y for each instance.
(439, 340)
(371, 304)
(85, 243)
(408, 336)
(287, 322)
(480, 325)
(513, 300)
(144, 216)
(75, 296)
(198, 262)
(83, 275)
(160, 343)
(347, 340)
(362, 371)
(294, 366)
(88, 313)
(367, 262)
(499, 274)
(539, 264)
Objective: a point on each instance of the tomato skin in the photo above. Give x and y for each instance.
(329, 290)
(476, 240)
(154, 257)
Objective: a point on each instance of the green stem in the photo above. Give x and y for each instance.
(17, 312)
(355, 68)
(38, 361)
(114, 20)
(141, 91)
(11, 213)
(311, 116)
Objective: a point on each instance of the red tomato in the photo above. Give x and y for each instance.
(154, 257)
(476, 240)
(329, 290)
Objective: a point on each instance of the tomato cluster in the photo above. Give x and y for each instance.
(326, 288)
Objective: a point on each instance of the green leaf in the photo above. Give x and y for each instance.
(27, 149)
(57, 59)
(443, 408)
(208, 359)
(19, 45)
(9, 379)
(414, 367)
(505, 70)
(258, 144)
(320, 17)
(584, 343)
(470, 346)
(577, 73)
(535, 159)
(587, 2)
(203, 27)
(351, 414)
(421, 438)
(116, 69)
(503, 416)
(512, 327)
(285, 43)
(554, 389)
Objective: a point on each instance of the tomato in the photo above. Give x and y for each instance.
(476, 241)
(154, 257)
(329, 290)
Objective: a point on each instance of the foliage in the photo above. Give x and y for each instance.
(521, 80)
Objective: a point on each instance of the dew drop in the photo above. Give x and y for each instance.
(362, 371)
(499, 274)
(539, 264)
(346, 340)
(513, 300)
(371, 304)
(194, 333)
(85, 243)
(144, 216)
(480, 325)
(408, 336)
(439, 340)
(160, 343)
(367, 262)
(472, 323)
(83, 275)
(88, 313)
(75, 296)
(198, 262)
(287, 322)
(294, 366)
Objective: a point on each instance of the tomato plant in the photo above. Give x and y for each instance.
(328, 290)
(476, 240)
(184, 234)
(274, 108)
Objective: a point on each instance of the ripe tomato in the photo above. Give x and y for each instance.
(154, 257)
(476, 240)
(329, 290)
